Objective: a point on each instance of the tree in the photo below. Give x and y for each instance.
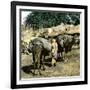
(45, 19)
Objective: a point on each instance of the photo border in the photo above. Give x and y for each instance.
(13, 44)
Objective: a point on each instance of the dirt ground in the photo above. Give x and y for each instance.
(69, 68)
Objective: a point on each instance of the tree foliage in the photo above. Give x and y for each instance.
(45, 19)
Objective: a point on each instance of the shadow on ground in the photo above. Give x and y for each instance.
(29, 68)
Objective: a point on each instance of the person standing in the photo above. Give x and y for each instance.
(54, 51)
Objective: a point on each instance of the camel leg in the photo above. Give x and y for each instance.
(39, 71)
(34, 64)
(42, 61)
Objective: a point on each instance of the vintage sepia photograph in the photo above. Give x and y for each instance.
(48, 44)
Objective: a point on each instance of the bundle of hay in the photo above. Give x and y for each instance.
(74, 30)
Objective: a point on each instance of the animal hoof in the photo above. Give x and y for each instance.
(54, 64)
(34, 74)
(43, 69)
(39, 73)
(66, 60)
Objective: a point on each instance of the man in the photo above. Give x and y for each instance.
(54, 51)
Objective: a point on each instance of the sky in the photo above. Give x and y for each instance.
(24, 15)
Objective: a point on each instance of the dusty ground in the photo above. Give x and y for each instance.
(70, 68)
